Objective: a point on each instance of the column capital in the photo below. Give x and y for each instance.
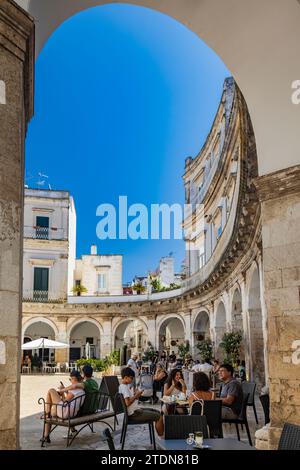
(278, 184)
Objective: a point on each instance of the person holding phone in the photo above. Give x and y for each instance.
(135, 413)
(56, 399)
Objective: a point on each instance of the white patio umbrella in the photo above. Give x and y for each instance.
(44, 343)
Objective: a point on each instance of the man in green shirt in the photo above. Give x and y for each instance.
(91, 388)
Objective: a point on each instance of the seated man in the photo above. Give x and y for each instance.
(90, 386)
(231, 393)
(135, 413)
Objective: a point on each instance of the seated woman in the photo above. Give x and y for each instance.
(56, 399)
(201, 388)
(159, 379)
(174, 386)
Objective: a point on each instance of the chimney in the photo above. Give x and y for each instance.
(93, 249)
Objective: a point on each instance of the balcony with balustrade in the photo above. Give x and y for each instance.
(45, 233)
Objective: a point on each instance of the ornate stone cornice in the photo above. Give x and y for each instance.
(17, 35)
(280, 183)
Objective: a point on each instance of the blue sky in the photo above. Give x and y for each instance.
(123, 95)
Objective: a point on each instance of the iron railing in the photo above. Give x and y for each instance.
(42, 296)
(45, 233)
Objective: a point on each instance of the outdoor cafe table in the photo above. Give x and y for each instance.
(226, 443)
(178, 402)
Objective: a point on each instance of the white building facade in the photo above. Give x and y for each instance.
(49, 244)
(99, 274)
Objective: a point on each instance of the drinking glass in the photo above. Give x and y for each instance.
(191, 439)
(199, 438)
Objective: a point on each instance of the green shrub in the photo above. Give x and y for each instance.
(205, 348)
(231, 343)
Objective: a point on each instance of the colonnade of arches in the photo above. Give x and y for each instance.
(238, 309)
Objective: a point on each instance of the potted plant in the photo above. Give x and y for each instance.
(205, 348)
(183, 349)
(156, 285)
(231, 343)
(139, 288)
(79, 289)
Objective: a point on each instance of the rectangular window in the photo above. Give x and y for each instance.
(101, 281)
(41, 283)
(42, 228)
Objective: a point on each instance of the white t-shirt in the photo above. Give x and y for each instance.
(132, 364)
(196, 368)
(75, 405)
(128, 393)
(207, 368)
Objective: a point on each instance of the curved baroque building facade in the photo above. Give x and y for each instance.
(222, 290)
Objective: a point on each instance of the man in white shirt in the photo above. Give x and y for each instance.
(135, 413)
(196, 366)
(133, 365)
(206, 367)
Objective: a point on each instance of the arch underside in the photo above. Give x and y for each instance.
(243, 47)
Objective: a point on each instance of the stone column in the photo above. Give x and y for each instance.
(279, 193)
(16, 107)
(62, 355)
(106, 340)
(153, 335)
(187, 316)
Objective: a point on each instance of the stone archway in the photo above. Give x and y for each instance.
(171, 333)
(220, 329)
(256, 346)
(40, 329)
(244, 53)
(81, 333)
(130, 336)
(201, 330)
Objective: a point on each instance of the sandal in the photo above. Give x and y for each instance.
(45, 439)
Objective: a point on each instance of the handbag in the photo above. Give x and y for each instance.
(197, 407)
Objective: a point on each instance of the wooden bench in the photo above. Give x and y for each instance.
(98, 401)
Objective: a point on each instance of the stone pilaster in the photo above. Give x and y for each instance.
(153, 335)
(106, 340)
(62, 355)
(279, 193)
(16, 98)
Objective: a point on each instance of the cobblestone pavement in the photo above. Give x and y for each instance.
(31, 426)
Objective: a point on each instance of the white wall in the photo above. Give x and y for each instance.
(53, 252)
(88, 268)
(72, 244)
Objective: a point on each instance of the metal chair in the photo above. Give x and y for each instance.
(241, 419)
(265, 403)
(109, 439)
(290, 437)
(212, 409)
(120, 407)
(146, 383)
(249, 388)
(180, 426)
